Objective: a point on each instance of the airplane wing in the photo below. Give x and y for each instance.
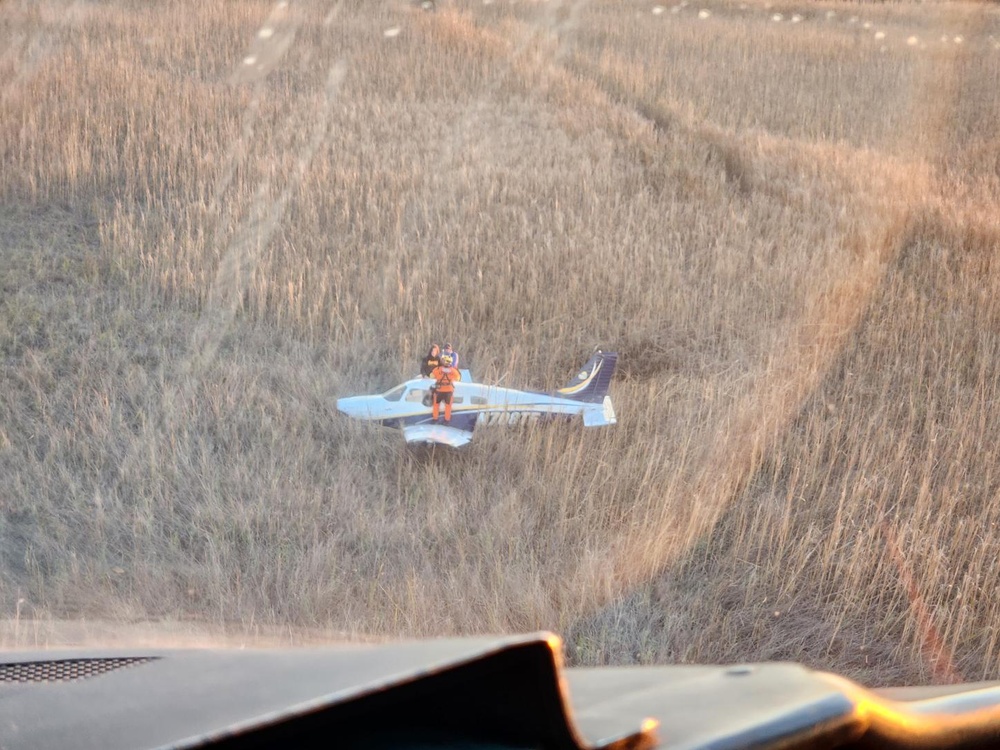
(440, 434)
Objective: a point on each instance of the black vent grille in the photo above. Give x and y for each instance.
(66, 670)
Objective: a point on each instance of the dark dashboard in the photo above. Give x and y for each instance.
(464, 692)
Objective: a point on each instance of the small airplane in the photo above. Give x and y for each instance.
(408, 406)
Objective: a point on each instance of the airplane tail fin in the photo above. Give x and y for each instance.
(591, 383)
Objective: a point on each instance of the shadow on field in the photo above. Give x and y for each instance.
(436, 455)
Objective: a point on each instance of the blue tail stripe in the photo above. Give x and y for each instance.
(600, 368)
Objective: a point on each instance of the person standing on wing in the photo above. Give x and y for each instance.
(451, 353)
(445, 377)
(432, 360)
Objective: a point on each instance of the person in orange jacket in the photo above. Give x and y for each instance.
(445, 377)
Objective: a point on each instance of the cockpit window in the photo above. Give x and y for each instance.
(394, 394)
(416, 395)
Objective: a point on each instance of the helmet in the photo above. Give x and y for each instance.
(446, 360)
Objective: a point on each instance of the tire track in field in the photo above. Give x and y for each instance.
(527, 54)
(253, 232)
(748, 427)
(754, 422)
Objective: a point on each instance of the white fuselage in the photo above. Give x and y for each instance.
(409, 403)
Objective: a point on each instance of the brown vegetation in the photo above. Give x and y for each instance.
(217, 218)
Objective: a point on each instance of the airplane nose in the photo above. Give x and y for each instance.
(351, 407)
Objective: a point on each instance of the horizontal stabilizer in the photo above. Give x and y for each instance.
(600, 415)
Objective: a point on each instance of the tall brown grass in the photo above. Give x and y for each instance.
(208, 233)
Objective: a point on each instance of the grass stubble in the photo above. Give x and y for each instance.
(218, 218)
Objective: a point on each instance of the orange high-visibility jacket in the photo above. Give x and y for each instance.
(445, 376)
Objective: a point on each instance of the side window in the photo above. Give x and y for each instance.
(458, 399)
(394, 394)
(479, 400)
(416, 395)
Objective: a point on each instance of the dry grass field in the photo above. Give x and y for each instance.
(216, 218)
